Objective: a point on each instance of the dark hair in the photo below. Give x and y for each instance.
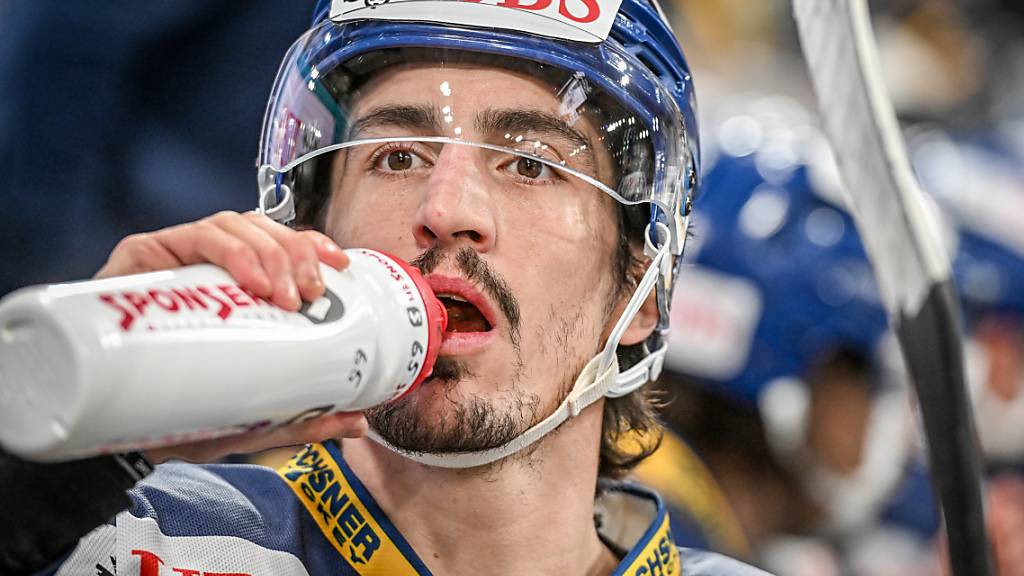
(632, 416)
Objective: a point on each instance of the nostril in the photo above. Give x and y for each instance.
(427, 233)
(474, 235)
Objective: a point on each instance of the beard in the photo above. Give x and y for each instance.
(441, 418)
(462, 423)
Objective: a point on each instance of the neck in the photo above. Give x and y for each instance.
(508, 510)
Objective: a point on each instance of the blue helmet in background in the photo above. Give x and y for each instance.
(776, 279)
(776, 284)
(978, 182)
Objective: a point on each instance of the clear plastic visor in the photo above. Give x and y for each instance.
(599, 118)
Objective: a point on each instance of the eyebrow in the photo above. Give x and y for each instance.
(518, 121)
(420, 118)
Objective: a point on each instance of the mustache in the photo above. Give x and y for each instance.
(477, 271)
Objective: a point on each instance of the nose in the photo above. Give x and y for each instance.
(456, 207)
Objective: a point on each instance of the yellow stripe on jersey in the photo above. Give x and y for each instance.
(658, 557)
(344, 519)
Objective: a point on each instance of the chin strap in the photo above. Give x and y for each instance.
(587, 389)
(599, 378)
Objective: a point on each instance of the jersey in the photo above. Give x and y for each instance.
(313, 517)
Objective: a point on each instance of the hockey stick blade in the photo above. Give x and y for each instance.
(911, 269)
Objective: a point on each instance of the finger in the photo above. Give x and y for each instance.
(302, 251)
(136, 254)
(187, 244)
(328, 250)
(204, 241)
(274, 257)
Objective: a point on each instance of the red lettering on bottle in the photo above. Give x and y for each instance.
(126, 315)
(138, 301)
(258, 300)
(225, 308)
(186, 571)
(149, 563)
(593, 11)
(163, 299)
(235, 295)
(189, 297)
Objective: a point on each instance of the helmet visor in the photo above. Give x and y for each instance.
(592, 112)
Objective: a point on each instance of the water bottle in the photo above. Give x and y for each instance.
(182, 355)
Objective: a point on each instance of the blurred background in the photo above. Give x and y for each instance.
(119, 117)
(792, 439)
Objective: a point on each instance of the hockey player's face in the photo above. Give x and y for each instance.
(521, 254)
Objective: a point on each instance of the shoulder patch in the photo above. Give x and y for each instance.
(143, 550)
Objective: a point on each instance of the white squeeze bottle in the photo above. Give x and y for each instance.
(181, 355)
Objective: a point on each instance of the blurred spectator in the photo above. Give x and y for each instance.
(118, 117)
(787, 383)
(978, 181)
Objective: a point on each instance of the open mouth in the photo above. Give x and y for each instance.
(463, 316)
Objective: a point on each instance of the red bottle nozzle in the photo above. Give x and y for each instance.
(437, 321)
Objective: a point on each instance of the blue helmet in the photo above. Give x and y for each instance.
(615, 62)
(632, 70)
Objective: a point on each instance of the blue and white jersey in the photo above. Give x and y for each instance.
(314, 517)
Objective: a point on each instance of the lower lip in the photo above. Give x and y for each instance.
(461, 343)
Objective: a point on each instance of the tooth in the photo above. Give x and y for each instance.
(452, 297)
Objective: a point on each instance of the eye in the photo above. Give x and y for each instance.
(397, 160)
(529, 168)
(532, 170)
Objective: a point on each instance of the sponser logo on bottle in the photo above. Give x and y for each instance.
(220, 300)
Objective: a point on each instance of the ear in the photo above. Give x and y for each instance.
(641, 326)
(643, 323)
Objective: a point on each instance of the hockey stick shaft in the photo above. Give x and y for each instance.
(906, 254)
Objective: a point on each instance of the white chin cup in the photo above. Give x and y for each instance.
(599, 378)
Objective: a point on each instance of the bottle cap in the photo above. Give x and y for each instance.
(437, 320)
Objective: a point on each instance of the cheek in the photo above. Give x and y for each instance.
(566, 263)
(375, 221)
